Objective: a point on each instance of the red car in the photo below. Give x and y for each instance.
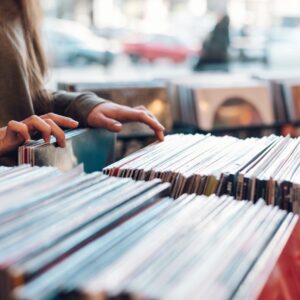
(156, 47)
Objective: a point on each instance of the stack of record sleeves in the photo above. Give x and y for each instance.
(215, 100)
(247, 169)
(194, 248)
(285, 87)
(77, 236)
(46, 215)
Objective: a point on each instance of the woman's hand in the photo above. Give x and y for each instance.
(16, 133)
(111, 116)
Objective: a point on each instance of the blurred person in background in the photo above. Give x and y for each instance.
(214, 55)
(23, 68)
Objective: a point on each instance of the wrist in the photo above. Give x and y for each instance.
(92, 116)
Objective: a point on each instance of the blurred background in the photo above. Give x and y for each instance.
(160, 37)
(220, 66)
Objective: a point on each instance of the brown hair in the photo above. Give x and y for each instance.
(31, 17)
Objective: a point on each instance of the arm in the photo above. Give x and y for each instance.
(75, 105)
(16, 102)
(90, 110)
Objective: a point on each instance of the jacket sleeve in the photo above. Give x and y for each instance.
(75, 105)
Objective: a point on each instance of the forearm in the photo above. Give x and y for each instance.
(75, 105)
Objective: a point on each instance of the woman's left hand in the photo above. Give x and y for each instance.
(111, 116)
(16, 133)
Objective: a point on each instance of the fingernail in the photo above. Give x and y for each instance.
(162, 127)
(160, 136)
(117, 125)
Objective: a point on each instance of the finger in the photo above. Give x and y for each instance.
(149, 113)
(143, 108)
(20, 129)
(37, 123)
(127, 114)
(61, 120)
(160, 135)
(144, 117)
(154, 124)
(57, 132)
(109, 124)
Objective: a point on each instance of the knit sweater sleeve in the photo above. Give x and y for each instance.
(75, 105)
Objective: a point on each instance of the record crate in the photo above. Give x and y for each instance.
(71, 235)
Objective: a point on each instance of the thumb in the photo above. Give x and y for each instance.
(110, 124)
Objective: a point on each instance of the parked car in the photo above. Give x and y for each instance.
(155, 47)
(70, 43)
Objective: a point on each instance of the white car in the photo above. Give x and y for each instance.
(70, 43)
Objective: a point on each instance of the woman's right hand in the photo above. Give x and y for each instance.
(16, 133)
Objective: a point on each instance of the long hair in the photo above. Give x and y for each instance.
(36, 64)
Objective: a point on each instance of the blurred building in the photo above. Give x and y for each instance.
(189, 19)
(100, 11)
